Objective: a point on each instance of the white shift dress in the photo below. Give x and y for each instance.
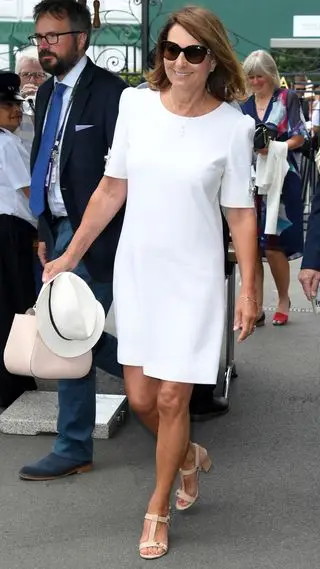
(169, 268)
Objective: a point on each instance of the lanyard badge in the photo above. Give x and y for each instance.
(53, 167)
(55, 164)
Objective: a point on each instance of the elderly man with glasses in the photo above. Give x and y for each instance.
(30, 72)
(31, 77)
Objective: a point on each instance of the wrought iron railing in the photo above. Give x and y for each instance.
(124, 48)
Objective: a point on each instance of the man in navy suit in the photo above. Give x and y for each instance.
(87, 116)
(309, 275)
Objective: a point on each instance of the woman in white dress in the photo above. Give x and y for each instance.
(179, 151)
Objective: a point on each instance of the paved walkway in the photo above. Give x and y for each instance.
(259, 507)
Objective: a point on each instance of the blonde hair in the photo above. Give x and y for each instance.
(226, 82)
(260, 62)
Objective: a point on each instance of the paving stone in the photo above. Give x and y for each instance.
(35, 412)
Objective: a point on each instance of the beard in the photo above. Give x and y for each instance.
(59, 65)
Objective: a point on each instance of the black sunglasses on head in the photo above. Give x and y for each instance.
(192, 53)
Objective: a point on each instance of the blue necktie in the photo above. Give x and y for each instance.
(40, 169)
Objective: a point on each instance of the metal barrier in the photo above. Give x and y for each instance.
(230, 367)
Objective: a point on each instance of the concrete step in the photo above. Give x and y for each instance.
(35, 412)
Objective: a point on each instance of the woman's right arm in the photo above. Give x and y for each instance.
(103, 205)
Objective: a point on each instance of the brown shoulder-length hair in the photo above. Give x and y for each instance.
(226, 82)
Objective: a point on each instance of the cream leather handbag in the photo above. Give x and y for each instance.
(26, 354)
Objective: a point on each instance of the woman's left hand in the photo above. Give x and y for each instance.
(245, 316)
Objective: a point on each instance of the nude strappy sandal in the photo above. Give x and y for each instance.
(155, 519)
(202, 462)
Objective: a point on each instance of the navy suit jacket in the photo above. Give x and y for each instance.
(82, 158)
(311, 257)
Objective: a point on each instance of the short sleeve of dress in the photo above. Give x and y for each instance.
(116, 160)
(236, 179)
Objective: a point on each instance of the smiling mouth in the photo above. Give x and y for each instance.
(184, 74)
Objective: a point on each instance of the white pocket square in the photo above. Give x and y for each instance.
(83, 126)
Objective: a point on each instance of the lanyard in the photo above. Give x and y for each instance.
(65, 118)
(52, 166)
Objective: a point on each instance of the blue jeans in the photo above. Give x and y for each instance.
(77, 397)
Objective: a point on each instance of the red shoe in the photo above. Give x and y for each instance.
(281, 319)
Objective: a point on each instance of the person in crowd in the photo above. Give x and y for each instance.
(17, 230)
(268, 103)
(30, 72)
(75, 116)
(309, 275)
(304, 90)
(315, 116)
(179, 152)
(31, 77)
(300, 87)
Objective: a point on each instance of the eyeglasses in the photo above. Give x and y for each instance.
(32, 74)
(193, 53)
(51, 38)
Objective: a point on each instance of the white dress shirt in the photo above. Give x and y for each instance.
(55, 199)
(14, 175)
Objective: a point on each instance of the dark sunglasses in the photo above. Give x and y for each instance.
(192, 53)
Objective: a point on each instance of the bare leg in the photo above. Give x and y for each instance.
(142, 392)
(280, 269)
(173, 437)
(166, 414)
(172, 447)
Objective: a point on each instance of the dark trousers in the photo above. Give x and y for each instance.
(17, 293)
(77, 398)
